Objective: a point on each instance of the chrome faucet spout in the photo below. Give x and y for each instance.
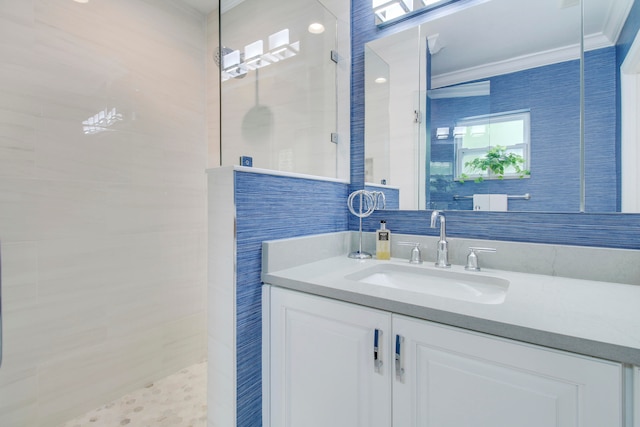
(442, 254)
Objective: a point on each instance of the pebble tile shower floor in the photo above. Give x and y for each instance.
(179, 400)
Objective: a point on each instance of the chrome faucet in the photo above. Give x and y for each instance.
(472, 257)
(442, 255)
(416, 255)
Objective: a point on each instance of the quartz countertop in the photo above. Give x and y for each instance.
(592, 318)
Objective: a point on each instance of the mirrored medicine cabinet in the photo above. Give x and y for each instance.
(529, 84)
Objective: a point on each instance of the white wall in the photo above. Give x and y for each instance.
(103, 236)
(221, 324)
(630, 90)
(401, 156)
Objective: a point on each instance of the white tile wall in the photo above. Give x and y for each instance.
(221, 329)
(103, 236)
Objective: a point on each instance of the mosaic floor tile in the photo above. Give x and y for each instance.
(179, 400)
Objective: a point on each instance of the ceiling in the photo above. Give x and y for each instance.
(208, 6)
(499, 36)
(204, 6)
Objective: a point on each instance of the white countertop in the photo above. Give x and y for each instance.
(598, 319)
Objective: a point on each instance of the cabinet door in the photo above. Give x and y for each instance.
(635, 410)
(322, 370)
(456, 378)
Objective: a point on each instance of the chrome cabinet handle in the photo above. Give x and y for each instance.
(377, 359)
(398, 358)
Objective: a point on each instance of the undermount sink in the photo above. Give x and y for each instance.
(471, 287)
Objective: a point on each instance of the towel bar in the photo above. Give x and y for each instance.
(526, 196)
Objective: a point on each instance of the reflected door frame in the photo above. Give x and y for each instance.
(630, 147)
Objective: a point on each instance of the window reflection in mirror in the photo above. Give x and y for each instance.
(386, 12)
(492, 147)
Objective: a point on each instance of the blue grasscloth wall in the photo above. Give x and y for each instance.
(601, 230)
(271, 207)
(628, 33)
(552, 96)
(391, 196)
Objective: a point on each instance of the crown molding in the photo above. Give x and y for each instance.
(521, 63)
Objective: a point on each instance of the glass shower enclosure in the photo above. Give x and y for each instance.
(282, 68)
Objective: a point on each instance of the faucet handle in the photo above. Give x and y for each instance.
(472, 258)
(416, 255)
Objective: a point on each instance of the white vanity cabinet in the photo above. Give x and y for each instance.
(321, 372)
(321, 363)
(453, 377)
(635, 405)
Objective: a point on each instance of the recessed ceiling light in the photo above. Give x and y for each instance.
(81, 1)
(316, 28)
(380, 80)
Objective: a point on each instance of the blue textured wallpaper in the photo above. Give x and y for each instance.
(552, 95)
(392, 195)
(612, 230)
(271, 207)
(628, 33)
(602, 166)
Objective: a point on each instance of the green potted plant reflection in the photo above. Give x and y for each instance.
(496, 161)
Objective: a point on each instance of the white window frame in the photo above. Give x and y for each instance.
(460, 151)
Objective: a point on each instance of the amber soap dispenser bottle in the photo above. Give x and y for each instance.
(383, 241)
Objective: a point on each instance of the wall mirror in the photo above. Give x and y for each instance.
(439, 98)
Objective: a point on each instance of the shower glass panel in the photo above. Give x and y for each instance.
(278, 88)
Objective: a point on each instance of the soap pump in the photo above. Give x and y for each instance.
(383, 242)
